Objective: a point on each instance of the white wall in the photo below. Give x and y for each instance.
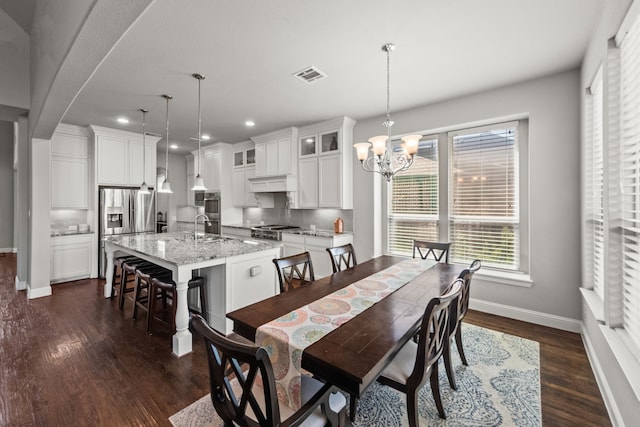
(6, 187)
(552, 105)
(167, 203)
(14, 67)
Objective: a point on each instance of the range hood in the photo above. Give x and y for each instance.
(273, 184)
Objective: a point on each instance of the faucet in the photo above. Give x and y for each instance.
(195, 224)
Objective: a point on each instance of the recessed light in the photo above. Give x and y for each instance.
(173, 146)
(206, 137)
(249, 123)
(123, 120)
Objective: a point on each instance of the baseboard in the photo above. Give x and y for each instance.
(601, 379)
(20, 285)
(8, 250)
(44, 291)
(544, 319)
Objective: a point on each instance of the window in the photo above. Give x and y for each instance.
(413, 210)
(594, 208)
(481, 179)
(484, 213)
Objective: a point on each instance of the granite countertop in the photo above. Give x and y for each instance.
(303, 231)
(182, 249)
(69, 233)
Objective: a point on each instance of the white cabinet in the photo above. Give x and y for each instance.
(235, 231)
(317, 248)
(120, 155)
(211, 169)
(325, 164)
(274, 152)
(71, 257)
(244, 168)
(70, 167)
(190, 177)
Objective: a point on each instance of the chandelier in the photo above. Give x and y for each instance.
(385, 161)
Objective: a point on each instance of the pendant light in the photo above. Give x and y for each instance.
(384, 157)
(144, 188)
(166, 186)
(198, 182)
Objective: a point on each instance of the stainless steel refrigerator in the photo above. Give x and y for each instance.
(123, 211)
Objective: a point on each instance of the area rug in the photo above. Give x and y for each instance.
(500, 387)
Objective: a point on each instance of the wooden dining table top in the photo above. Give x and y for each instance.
(353, 355)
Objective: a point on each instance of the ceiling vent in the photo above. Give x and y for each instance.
(310, 74)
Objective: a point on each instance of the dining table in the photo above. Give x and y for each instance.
(353, 355)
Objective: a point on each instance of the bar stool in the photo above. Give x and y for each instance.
(128, 275)
(163, 290)
(141, 293)
(117, 272)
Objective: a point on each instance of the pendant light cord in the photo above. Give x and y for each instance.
(166, 159)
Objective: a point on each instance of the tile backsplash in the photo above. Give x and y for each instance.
(61, 219)
(322, 218)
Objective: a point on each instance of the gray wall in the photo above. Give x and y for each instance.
(552, 104)
(6, 187)
(167, 203)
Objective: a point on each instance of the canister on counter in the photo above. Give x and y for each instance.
(338, 226)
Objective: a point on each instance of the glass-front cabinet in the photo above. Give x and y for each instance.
(329, 142)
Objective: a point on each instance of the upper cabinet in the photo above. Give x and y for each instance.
(325, 164)
(274, 153)
(120, 156)
(70, 167)
(244, 168)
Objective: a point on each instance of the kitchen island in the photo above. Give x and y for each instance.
(238, 272)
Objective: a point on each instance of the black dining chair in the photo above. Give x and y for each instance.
(455, 320)
(437, 250)
(342, 257)
(294, 271)
(240, 399)
(417, 361)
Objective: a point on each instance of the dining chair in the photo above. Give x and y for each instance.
(411, 366)
(294, 271)
(437, 250)
(243, 388)
(455, 320)
(342, 256)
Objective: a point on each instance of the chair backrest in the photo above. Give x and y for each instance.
(246, 363)
(436, 249)
(294, 271)
(342, 256)
(466, 275)
(434, 332)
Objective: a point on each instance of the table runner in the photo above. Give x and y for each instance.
(286, 337)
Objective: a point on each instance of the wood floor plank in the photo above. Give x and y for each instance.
(76, 359)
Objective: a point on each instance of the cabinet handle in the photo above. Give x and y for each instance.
(255, 271)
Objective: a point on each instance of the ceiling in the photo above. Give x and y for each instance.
(249, 49)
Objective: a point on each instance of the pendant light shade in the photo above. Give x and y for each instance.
(144, 188)
(198, 182)
(166, 186)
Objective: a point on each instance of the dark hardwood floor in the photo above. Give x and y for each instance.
(76, 359)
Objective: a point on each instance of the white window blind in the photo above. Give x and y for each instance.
(484, 196)
(630, 171)
(413, 205)
(594, 226)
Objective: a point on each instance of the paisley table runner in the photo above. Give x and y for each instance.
(286, 337)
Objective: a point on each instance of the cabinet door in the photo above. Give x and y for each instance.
(330, 142)
(261, 159)
(150, 163)
(272, 157)
(135, 163)
(329, 181)
(249, 197)
(210, 171)
(70, 258)
(238, 159)
(284, 156)
(69, 183)
(289, 249)
(238, 190)
(308, 182)
(307, 146)
(320, 259)
(113, 160)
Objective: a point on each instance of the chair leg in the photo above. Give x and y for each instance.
(448, 366)
(459, 345)
(152, 290)
(435, 389)
(203, 303)
(353, 401)
(123, 286)
(412, 407)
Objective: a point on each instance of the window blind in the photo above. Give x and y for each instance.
(413, 205)
(630, 170)
(484, 204)
(594, 227)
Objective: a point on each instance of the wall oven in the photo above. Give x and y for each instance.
(212, 209)
(198, 198)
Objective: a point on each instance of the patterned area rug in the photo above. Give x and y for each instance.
(500, 387)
